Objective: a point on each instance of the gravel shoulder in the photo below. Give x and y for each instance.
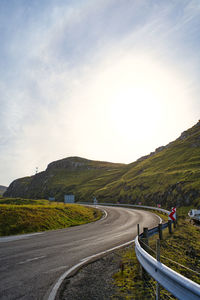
(93, 281)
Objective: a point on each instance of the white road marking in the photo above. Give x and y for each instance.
(159, 218)
(105, 213)
(100, 208)
(54, 290)
(84, 259)
(18, 237)
(56, 269)
(30, 259)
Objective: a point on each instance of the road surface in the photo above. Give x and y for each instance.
(30, 265)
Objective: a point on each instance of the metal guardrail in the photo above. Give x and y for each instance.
(178, 285)
(128, 205)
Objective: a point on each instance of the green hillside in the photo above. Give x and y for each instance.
(74, 175)
(24, 216)
(169, 176)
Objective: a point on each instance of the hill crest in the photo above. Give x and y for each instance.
(79, 162)
(169, 176)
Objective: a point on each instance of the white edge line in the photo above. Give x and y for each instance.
(55, 269)
(159, 218)
(54, 290)
(12, 238)
(30, 260)
(105, 213)
(100, 208)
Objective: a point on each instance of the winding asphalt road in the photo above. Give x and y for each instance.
(30, 265)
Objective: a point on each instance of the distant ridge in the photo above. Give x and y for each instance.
(168, 176)
(69, 175)
(2, 189)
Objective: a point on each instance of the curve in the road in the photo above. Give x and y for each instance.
(30, 267)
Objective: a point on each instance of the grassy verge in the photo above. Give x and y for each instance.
(21, 216)
(182, 247)
(20, 201)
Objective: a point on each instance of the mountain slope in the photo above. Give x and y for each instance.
(168, 176)
(2, 189)
(70, 175)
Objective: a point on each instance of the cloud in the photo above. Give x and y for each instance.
(64, 64)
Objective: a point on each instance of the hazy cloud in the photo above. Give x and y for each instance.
(64, 64)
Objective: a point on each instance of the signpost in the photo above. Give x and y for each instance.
(69, 198)
(172, 215)
(95, 201)
(52, 199)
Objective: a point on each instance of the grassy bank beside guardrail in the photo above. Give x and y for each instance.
(180, 251)
(19, 216)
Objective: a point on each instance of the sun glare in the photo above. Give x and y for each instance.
(133, 108)
(126, 102)
(138, 93)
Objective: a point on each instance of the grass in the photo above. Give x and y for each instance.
(18, 216)
(182, 247)
(169, 177)
(20, 201)
(129, 283)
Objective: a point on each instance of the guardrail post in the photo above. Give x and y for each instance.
(145, 235)
(158, 249)
(176, 221)
(145, 239)
(170, 226)
(158, 259)
(160, 231)
(174, 224)
(138, 229)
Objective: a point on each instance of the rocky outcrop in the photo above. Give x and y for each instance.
(174, 195)
(159, 149)
(27, 187)
(70, 163)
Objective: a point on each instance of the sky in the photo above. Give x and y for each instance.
(107, 80)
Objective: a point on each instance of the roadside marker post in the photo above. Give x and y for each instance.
(172, 215)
